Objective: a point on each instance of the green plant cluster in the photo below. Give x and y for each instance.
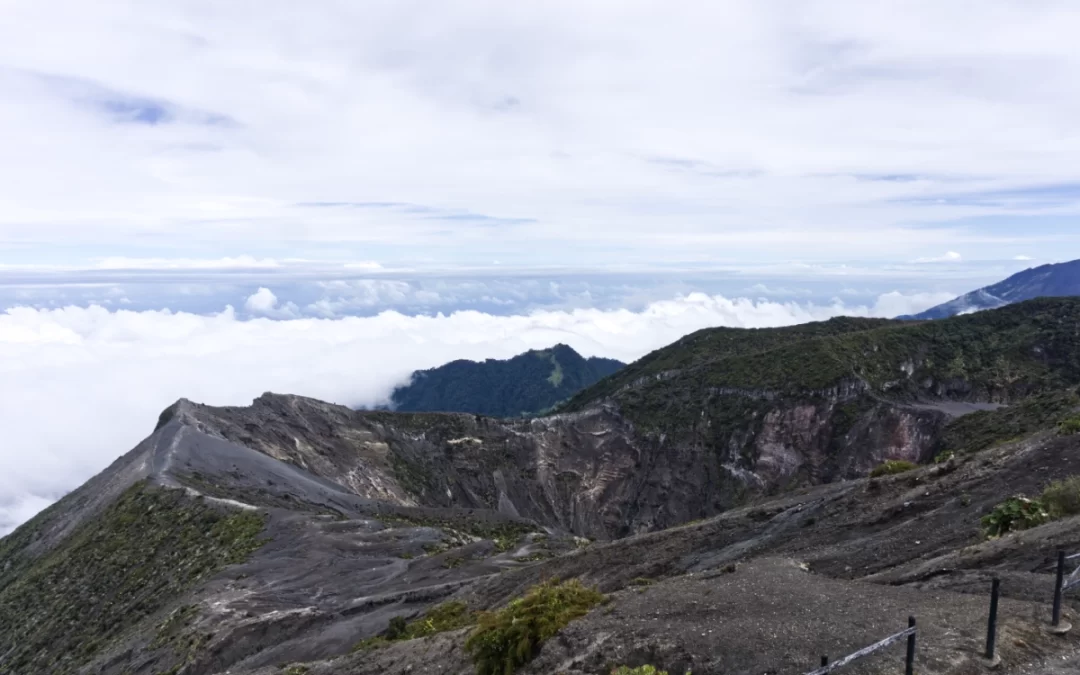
(113, 572)
(640, 670)
(447, 616)
(524, 385)
(1070, 426)
(1015, 513)
(1062, 498)
(505, 535)
(892, 467)
(509, 638)
(1059, 500)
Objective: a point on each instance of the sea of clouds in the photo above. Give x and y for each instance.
(83, 385)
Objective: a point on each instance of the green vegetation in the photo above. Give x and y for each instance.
(556, 377)
(1062, 498)
(524, 385)
(1010, 353)
(1015, 513)
(1070, 426)
(441, 618)
(505, 535)
(640, 670)
(115, 571)
(296, 669)
(1059, 500)
(984, 429)
(511, 637)
(944, 456)
(892, 467)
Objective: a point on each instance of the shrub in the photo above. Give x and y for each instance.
(511, 637)
(892, 466)
(1070, 426)
(1062, 498)
(944, 456)
(641, 670)
(441, 618)
(1015, 513)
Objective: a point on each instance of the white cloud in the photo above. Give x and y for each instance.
(239, 262)
(898, 304)
(768, 291)
(262, 300)
(539, 134)
(1023, 258)
(109, 373)
(950, 256)
(264, 303)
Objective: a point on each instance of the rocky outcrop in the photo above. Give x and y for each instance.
(592, 473)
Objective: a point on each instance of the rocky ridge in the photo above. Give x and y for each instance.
(373, 515)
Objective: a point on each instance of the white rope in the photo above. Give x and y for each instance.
(866, 651)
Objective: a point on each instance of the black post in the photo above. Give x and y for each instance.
(1057, 587)
(909, 667)
(991, 627)
(824, 661)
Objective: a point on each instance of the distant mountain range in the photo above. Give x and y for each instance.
(1061, 279)
(526, 384)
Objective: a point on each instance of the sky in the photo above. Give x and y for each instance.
(212, 200)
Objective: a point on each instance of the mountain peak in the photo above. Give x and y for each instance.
(528, 383)
(1050, 280)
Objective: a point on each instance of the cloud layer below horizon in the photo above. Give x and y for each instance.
(82, 385)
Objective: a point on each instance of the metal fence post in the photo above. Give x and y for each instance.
(824, 661)
(991, 627)
(909, 666)
(1057, 587)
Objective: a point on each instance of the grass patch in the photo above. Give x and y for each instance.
(113, 572)
(439, 619)
(505, 535)
(1062, 498)
(640, 670)
(892, 467)
(511, 637)
(1070, 426)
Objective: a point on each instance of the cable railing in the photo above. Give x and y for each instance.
(1062, 584)
(909, 663)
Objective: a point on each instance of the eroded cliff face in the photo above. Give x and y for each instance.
(592, 473)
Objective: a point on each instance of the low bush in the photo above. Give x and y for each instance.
(1015, 513)
(1070, 427)
(511, 637)
(1062, 498)
(441, 618)
(892, 466)
(641, 670)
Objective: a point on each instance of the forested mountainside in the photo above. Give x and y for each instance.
(280, 536)
(527, 384)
